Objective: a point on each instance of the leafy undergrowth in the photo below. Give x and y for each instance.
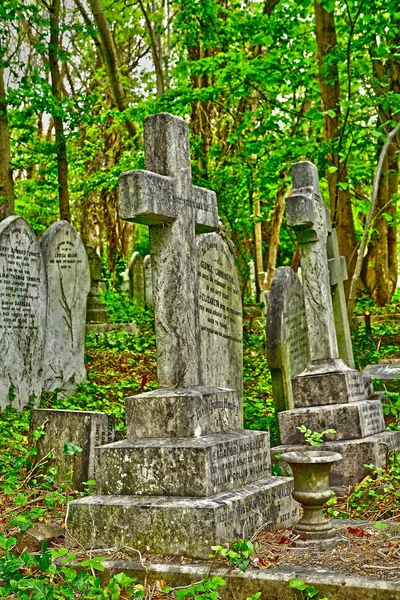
(382, 343)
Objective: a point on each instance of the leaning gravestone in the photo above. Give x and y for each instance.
(68, 285)
(287, 338)
(328, 394)
(96, 311)
(220, 314)
(22, 313)
(136, 278)
(188, 476)
(148, 281)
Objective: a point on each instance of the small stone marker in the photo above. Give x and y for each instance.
(188, 477)
(148, 281)
(338, 274)
(22, 313)
(327, 394)
(84, 429)
(136, 278)
(251, 283)
(220, 315)
(96, 311)
(68, 285)
(287, 338)
(385, 372)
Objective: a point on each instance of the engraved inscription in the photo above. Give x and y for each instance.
(19, 280)
(240, 462)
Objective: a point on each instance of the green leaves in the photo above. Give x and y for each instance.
(71, 449)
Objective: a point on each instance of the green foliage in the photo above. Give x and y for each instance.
(205, 590)
(314, 438)
(237, 554)
(37, 577)
(306, 591)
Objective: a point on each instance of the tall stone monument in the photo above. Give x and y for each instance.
(96, 311)
(328, 394)
(188, 476)
(22, 314)
(136, 278)
(68, 285)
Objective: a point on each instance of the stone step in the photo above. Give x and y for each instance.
(355, 420)
(194, 467)
(182, 412)
(183, 526)
(371, 450)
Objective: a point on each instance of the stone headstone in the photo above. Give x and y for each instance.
(125, 283)
(338, 274)
(84, 429)
(220, 315)
(136, 278)
(148, 281)
(287, 337)
(251, 283)
(96, 311)
(68, 285)
(22, 314)
(187, 476)
(327, 394)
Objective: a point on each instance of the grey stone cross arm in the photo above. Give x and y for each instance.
(164, 198)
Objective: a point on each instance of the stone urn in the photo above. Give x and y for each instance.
(311, 473)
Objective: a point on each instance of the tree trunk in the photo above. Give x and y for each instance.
(61, 146)
(6, 178)
(277, 217)
(340, 201)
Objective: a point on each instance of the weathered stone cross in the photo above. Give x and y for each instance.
(306, 214)
(164, 198)
(338, 274)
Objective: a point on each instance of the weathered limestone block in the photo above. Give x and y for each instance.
(331, 382)
(96, 311)
(187, 412)
(85, 429)
(194, 467)
(355, 420)
(182, 526)
(23, 297)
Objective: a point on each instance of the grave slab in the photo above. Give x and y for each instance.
(23, 297)
(68, 285)
(96, 311)
(182, 412)
(357, 453)
(136, 279)
(287, 338)
(355, 420)
(194, 467)
(85, 429)
(385, 372)
(183, 526)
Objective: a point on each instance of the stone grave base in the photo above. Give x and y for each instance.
(96, 311)
(371, 450)
(353, 420)
(183, 526)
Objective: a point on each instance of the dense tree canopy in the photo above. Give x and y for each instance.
(262, 84)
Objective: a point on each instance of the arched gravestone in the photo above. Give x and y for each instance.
(136, 278)
(22, 313)
(220, 315)
(148, 281)
(68, 283)
(287, 338)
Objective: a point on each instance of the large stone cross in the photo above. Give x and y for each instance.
(338, 274)
(164, 198)
(306, 214)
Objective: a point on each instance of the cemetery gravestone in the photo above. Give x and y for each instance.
(327, 394)
(188, 476)
(22, 313)
(136, 278)
(220, 315)
(287, 338)
(251, 284)
(85, 429)
(148, 281)
(68, 285)
(96, 311)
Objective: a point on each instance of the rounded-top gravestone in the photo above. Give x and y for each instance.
(68, 282)
(22, 313)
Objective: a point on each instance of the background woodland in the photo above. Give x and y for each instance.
(262, 84)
